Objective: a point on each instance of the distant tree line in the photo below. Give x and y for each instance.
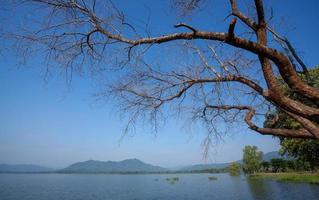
(282, 165)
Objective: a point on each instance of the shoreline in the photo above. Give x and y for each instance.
(293, 177)
(111, 173)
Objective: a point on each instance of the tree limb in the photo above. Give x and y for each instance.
(249, 22)
(301, 133)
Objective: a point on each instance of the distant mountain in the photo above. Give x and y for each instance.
(266, 157)
(125, 166)
(204, 166)
(23, 168)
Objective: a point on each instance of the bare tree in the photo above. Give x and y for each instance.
(228, 76)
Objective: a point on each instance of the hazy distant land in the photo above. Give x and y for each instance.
(128, 166)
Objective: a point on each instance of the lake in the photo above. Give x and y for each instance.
(148, 187)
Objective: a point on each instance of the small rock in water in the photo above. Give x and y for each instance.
(212, 178)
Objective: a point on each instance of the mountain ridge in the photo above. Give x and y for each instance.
(124, 166)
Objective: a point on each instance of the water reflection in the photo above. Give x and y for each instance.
(240, 188)
(143, 187)
(259, 189)
(272, 190)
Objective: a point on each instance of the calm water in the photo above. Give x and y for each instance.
(148, 187)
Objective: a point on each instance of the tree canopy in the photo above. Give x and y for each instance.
(224, 76)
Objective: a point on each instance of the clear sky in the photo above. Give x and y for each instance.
(50, 124)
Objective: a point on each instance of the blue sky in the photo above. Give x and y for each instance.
(51, 124)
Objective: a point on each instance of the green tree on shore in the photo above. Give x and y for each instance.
(306, 151)
(234, 169)
(265, 165)
(252, 159)
(278, 165)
